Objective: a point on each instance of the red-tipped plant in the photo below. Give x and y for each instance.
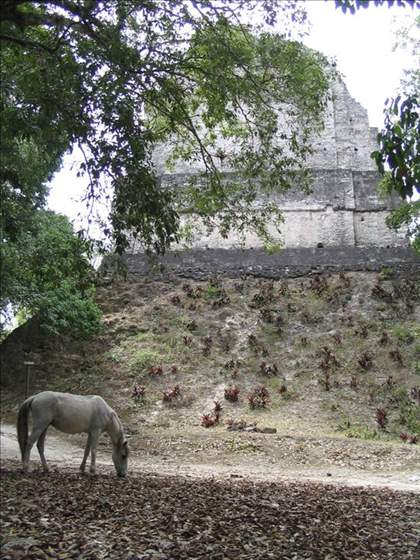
(207, 345)
(217, 407)
(208, 420)
(396, 356)
(270, 370)
(232, 393)
(381, 418)
(138, 393)
(415, 394)
(259, 397)
(170, 394)
(176, 300)
(156, 370)
(384, 340)
(365, 361)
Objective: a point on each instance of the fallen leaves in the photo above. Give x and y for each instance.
(66, 516)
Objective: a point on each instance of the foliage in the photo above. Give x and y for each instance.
(45, 271)
(258, 397)
(209, 420)
(144, 359)
(381, 416)
(117, 78)
(138, 393)
(232, 393)
(171, 394)
(353, 5)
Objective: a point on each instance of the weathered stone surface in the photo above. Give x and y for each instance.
(344, 208)
(234, 263)
(340, 225)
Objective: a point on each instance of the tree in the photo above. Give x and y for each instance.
(117, 78)
(46, 272)
(398, 155)
(353, 5)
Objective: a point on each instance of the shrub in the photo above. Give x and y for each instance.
(156, 370)
(282, 390)
(381, 418)
(384, 340)
(176, 300)
(415, 394)
(365, 361)
(217, 408)
(207, 345)
(171, 394)
(232, 393)
(269, 370)
(138, 393)
(318, 284)
(144, 359)
(396, 356)
(259, 397)
(208, 420)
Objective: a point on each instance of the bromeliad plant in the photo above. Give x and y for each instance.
(381, 418)
(365, 361)
(232, 393)
(258, 397)
(396, 356)
(270, 370)
(156, 370)
(171, 394)
(211, 419)
(138, 393)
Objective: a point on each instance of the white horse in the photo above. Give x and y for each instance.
(71, 414)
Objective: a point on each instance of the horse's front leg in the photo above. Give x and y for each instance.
(94, 438)
(86, 454)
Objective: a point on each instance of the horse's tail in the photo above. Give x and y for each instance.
(22, 424)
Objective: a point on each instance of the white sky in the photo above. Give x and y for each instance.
(362, 45)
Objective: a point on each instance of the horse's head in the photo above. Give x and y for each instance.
(120, 457)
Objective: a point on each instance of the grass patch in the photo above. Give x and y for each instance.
(406, 333)
(145, 359)
(358, 431)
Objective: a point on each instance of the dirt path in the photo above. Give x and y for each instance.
(66, 451)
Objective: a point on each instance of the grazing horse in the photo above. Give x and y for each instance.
(71, 414)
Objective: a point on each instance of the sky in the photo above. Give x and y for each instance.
(362, 45)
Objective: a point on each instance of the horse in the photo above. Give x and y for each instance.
(72, 414)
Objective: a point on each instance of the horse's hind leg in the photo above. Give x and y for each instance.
(35, 435)
(40, 446)
(86, 455)
(94, 438)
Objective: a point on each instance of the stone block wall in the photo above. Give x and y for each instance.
(344, 208)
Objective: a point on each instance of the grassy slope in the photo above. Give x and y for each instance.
(296, 325)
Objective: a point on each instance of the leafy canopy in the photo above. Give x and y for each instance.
(45, 272)
(119, 78)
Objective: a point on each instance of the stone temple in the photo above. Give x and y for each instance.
(340, 225)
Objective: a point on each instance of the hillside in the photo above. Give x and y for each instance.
(332, 362)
